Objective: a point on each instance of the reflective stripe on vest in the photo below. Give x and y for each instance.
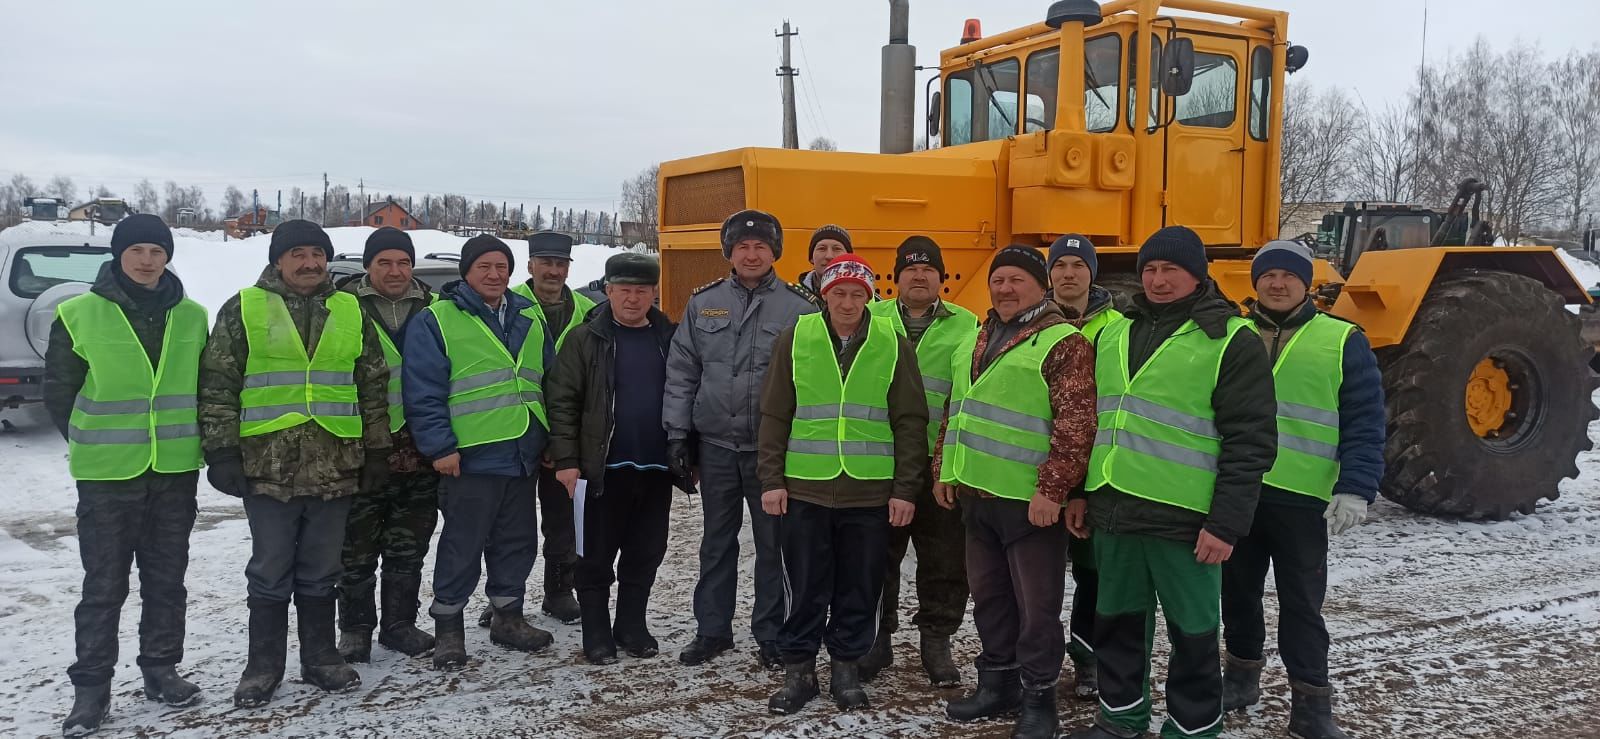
(1000, 424)
(1158, 437)
(282, 387)
(581, 305)
(491, 394)
(841, 424)
(130, 418)
(1307, 377)
(936, 353)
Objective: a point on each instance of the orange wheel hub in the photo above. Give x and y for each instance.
(1488, 398)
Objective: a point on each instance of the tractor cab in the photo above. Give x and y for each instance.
(44, 209)
(1365, 227)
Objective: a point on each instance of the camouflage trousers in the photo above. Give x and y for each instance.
(395, 524)
(941, 580)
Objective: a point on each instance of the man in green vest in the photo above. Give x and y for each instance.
(1015, 443)
(1330, 459)
(294, 412)
(561, 309)
(1186, 430)
(395, 522)
(842, 449)
(1074, 266)
(123, 359)
(473, 381)
(937, 329)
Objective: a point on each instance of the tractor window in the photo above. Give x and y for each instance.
(1214, 99)
(1260, 92)
(1043, 73)
(958, 100)
(1102, 60)
(999, 81)
(1155, 83)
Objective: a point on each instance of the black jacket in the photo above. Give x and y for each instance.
(1246, 419)
(65, 371)
(579, 392)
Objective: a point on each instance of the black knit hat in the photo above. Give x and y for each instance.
(633, 268)
(837, 233)
(1026, 258)
(480, 245)
(297, 232)
(918, 250)
(752, 224)
(1076, 245)
(142, 228)
(1179, 245)
(385, 239)
(550, 244)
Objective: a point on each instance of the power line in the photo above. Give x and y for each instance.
(820, 110)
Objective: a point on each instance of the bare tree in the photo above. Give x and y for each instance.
(640, 202)
(145, 197)
(232, 202)
(822, 143)
(1317, 131)
(62, 187)
(1383, 161)
(1575, 102)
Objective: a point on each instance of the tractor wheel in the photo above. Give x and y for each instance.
(1489, 398)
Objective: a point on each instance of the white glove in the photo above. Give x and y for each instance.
(1346, 510)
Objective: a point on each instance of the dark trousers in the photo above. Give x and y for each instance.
(395, 524)
(295, 546)
(1018, 574)
(728, 486)
(1085, 590)
(834, 560)
(625, 527)
(148, 520)
(489, 518)
(940, 539)
(1294, 541)
(555, 522)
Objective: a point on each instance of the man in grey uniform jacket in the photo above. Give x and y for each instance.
(715, 371)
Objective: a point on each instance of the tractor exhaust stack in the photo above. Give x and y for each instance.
(896, 127)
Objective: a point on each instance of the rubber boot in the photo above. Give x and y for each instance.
(599, 645)
(358, 615)
(1085, 679)
(486, 618)
(397, 627)
(1038, 719)
(91, 704)
(768, 655)
(845, 685)
(320, 662)
(632, 631)
(269, 647)
(878, 658)
(164, 685)
(559, 602)
(450, 648)
(999, 693)
(510, 630)
(937, 662)
(799, 687)
(1100, 732)
(1311, 713)
(1241, 681)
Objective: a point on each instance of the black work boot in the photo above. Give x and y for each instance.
(1038, 719)
(269, 647)
(90, 706)
(320, 662)
(1098, 731)
(559, 602)
(486, 618)
(1085, 679)
(799, 687)
(632, 631)
(450, 648)
(358, 614)
(397, 628)
(999, 693)
(878, 658)
(599, 646)
(768, 655)
(937, 662)
(1311, 713)
(1241, 681)
(510, 630)
(844, 683)
(164, 685)
(703, 649)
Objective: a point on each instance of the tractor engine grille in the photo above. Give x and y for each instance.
(683, 270)
(703, 197)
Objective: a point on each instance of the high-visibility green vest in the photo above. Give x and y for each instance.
(1092, 329)
(936, 354)
(841, 424)
(282, 387)
(391, 357)
(1307, 376)
(491, 393)
(130, 418)
(1000, 424)
(581, 305)
(1158, 436)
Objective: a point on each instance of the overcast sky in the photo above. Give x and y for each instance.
(542, 102)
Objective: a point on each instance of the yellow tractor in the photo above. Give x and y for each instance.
(1114, 120)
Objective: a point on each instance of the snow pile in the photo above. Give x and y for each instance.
(1588, 273)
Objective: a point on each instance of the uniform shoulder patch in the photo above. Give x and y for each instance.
(708, 285)
(804, 292)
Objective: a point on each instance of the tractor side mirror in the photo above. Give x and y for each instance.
(935, 113)
(1177, 66)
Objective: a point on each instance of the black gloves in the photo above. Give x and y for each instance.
(375, 472)
(225, 472)
(680, 464)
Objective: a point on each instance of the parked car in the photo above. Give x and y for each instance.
(434, 269)
(36, 276)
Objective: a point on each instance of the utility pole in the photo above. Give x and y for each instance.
(324, 199)
(791, 127)
(361, 185)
